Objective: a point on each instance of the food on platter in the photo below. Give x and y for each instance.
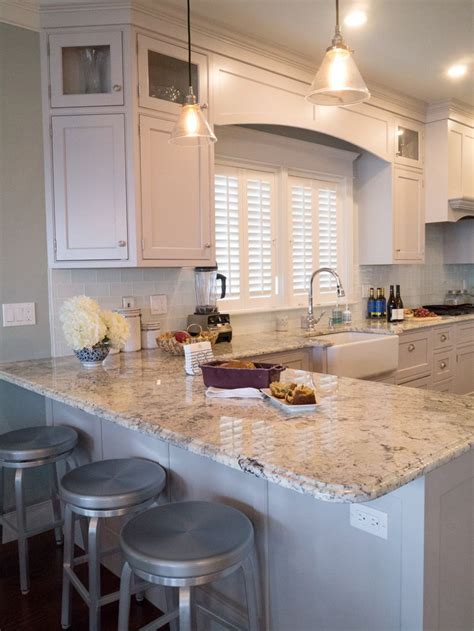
(292, 393)
(238, 363)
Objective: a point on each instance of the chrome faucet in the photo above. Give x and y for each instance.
(311, 321)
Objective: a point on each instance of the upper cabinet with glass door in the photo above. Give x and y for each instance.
(163, 75)
(86, 69)
(409, 143)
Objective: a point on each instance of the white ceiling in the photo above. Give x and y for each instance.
(405, 45)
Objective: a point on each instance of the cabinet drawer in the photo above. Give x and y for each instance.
(444, 365)
(297, 359)
(415, 356)
(424, 383)
(465, 333)
(443, 337)
(444, 386)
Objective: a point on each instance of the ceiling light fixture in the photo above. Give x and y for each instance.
(356, 18)
(457, 71)
(191, 128)
(338, 80)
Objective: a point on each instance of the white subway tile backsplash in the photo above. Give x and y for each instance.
(121, 289)
(108, 275)
(84, 276)
(131, 275)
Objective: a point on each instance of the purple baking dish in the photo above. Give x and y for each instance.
(259, 377)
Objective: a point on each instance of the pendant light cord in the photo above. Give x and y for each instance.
(189, 43)
(337, 14)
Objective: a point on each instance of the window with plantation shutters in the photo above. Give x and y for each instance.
(314, 239)
(245, 234)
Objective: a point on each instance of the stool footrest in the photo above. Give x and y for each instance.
(31, 531)
(161, 621)
(222, 621)
(85, 557)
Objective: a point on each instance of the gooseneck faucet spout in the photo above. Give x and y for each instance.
(311, 320)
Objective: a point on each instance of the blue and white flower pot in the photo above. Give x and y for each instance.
(90, 357)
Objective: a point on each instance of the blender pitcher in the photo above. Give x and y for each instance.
(205, 279)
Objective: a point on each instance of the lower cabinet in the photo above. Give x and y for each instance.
(421, 382)
(297, 359)
(464, 382)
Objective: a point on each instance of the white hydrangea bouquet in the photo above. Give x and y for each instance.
(91, 331)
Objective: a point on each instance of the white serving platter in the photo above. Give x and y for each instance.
(287, 407)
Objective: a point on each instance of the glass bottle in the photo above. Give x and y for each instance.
(371, 303)
(391, 307)
(399, 306)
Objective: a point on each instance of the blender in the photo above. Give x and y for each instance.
(206, 313)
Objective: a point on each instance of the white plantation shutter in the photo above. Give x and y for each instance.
(228, 231)
(327, 237)
(245, 226)
(302, 236)
(314, 238)
(259, 237)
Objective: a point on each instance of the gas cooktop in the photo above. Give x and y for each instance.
(451, 310)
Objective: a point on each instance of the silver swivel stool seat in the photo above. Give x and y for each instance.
(184, 545)
(108, 488)
(29, 448)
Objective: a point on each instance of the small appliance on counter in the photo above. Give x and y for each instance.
(206, 313)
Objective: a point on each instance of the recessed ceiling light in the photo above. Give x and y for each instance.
(457, 71)
(356, 18)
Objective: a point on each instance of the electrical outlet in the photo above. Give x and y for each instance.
(158, 304)
(19, 314)
(370, 520)
(128, 302)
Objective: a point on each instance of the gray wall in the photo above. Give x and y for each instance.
(23, 261)
(23, 258)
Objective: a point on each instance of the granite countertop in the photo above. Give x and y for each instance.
(364, 440)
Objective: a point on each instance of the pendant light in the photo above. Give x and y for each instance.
(191, 128)
(338, 80)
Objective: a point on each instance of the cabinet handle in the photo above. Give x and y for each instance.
(398, 250)
(207, 245)
(443, 337)
(442, 365)
(122, 244)
(411, 347)
(117, 88)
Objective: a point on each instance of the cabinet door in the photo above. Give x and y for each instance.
(176, 196)
(163, 81)
(422, 383)
(464, 380)
(86, 69)
(90, 206)
(460, 161)
(409, 137)
(409, 216)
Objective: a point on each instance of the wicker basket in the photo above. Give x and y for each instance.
(167, 342)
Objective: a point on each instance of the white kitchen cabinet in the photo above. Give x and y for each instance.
(297, 359)
(89, 175)
(85, 68)
(175, 197)
(423, 383)
(449, 167)
(464, 381)
(163, 81)
(415, 355)
(408, 215)
(391, 212)
(409, 140)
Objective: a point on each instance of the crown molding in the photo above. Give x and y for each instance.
(453, 109)
(22, 13)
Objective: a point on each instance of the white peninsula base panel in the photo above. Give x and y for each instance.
(316, 570)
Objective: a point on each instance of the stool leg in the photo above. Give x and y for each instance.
(184, 609)
(58, 533)
(171, 604)
(124, 603)
(21, 527)
(69, 521)
(94, 574)
(84, 526)
(248, 570)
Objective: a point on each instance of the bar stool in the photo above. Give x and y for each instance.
(26, 449)
(108, 488)
(184, 545)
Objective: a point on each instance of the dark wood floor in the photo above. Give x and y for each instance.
(41, 608)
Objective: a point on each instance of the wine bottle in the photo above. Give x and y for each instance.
(371, 304)
(378, 304)
(384, 304)
(391, 307)
(399, 306)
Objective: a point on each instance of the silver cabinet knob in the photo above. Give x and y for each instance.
(122, 244)
(443, 337)
(117, 88)
(442, 365)
(411, 348)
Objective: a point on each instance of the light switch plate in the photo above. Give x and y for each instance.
(158, 304)
(19, 314)
(128, 302)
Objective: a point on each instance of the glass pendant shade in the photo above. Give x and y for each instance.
(338, 80)
(191, 128)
